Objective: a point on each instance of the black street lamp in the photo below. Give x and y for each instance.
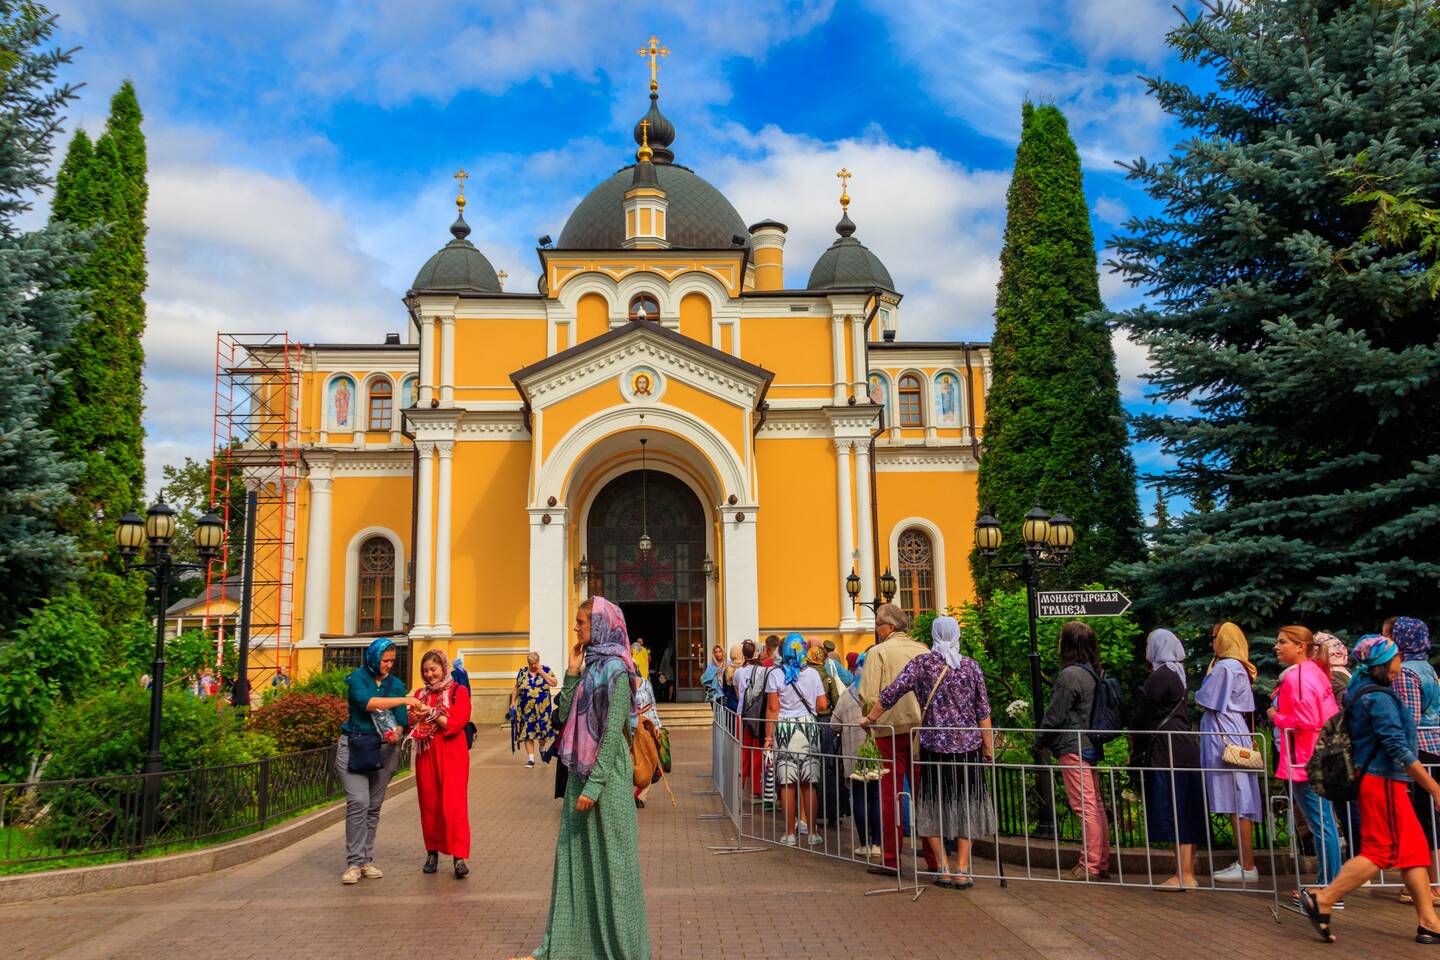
(1047, 547)
(887, 589)
(157, 529)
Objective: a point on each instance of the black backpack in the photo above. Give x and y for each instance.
(1106, 708)
(753, 711)
(1331, 769)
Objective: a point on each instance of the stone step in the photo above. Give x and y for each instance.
(685, 716)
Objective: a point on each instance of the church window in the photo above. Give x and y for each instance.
(917, 573)
(376, 610)
(381, 399)
(910, 415)
(644, 307)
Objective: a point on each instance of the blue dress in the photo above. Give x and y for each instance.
(1227, 698)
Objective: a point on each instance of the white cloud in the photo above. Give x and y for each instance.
(1109, 210)
(1129, 29)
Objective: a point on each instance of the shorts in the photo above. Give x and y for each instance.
(1390, 836)
(795, 758)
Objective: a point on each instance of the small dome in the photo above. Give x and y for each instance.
(848, 263)
(699, 217)
(661, 132)
(458, 267)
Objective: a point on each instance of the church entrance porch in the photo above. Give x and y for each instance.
(663, 590)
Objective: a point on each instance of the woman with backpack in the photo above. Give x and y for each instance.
(750, 696)
(1303, 701)
(795, 696)
(1229, 704)
(1174, 793)
(1383, 746)
(1068, 716)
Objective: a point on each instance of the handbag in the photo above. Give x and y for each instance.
(1242, 758)
(364, 752)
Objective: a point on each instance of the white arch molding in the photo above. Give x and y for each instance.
(937, 543)
(352, 576)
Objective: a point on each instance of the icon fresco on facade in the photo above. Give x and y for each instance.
(880, 394)
(947, 400)
(341, 403)
(642, 384)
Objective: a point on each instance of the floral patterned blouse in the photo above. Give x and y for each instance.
(960, 701)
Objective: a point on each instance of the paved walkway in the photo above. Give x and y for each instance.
(779, 903)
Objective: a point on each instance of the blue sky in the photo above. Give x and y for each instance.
(300, 153)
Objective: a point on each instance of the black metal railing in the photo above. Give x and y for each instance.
(105, 817)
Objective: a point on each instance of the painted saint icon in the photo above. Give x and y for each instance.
(641, 386)
(342, 396)
(947, 400)
(880, 392)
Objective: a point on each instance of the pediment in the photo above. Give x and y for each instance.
(642, 345)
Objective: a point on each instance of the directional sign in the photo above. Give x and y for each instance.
(1081, 603)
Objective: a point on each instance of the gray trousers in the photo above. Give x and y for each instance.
(364, 792)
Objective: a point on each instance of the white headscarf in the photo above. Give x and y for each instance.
(1164, 649)
(945, 640)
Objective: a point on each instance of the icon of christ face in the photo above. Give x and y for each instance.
(642, 385)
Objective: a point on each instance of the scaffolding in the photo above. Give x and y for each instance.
(254, 478)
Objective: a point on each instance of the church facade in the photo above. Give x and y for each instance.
(668, 420)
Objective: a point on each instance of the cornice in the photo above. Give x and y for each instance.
(693, 368)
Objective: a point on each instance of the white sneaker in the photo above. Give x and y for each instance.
(816, 839)
(788, 839)
(1237, 874)
(371, 872)
(802, 828)
(877, 851)
(862, 852)
(351, 875)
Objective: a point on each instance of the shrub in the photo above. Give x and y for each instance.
(330, 683)
(301, 721)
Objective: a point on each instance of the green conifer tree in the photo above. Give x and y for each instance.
(97, 411)
(1302, 359)
(38, 310)
(1055, 432)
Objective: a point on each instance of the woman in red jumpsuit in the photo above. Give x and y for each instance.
(442, 764)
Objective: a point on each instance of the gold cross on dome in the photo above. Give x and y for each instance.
(501, 275)
(844, 176)
(460, 177)
(653, 53)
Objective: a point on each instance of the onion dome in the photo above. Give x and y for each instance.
(660, 131)
(458, 267)
(848, 263)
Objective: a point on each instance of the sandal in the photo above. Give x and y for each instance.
(1320, 921)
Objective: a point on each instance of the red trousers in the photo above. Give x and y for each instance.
(752, 760)
(895, 752)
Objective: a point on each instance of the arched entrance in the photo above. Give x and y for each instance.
(663, 591)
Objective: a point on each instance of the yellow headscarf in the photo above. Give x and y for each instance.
(1230, 644)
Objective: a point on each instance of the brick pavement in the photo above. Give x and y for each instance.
(779, 903)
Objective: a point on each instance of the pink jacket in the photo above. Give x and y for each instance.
(1304, 700)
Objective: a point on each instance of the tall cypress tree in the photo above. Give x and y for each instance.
(1303, 360)
(97, 411)
(38, 310)
(1054, 428)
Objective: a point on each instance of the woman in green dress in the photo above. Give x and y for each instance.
(597, 905)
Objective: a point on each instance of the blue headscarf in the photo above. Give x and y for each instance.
(792, 656)
(374, 652)
(1373, 650)
(1412, 637)
(855, 684)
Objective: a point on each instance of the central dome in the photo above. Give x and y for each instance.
(699, 218)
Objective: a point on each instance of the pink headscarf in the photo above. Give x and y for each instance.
(607, 656)
(1334, 648)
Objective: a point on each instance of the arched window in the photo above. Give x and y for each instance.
(644, 307)
(376, 609)
(910, 415)
(917, 572)
(381, 403)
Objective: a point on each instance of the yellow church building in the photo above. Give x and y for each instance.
(668, 419)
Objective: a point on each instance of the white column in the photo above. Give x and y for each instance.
(549, 587)
(446, 451)
(857, 345)
(837, 350)
(447, 363)
(424, 546)
(742, 575)
(846, 524)
(866, 539)
(317, 556)
(427, 361)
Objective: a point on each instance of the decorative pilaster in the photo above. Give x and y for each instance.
(847, 528)
(447, 360)
(427, 361)
(549, 586)
(741, 571)
(866, 538)
(837, 350)
(442, 628)
(317, 554)
(859, 387)
(424, 543)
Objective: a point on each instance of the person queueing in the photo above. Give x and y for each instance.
(752, 752)
(1383, 743)
(597, 903)
(795, 698)
(1174, 795)
(864, 778)
(442, 764)
(1419, 692)
(368, 752)
(1302, 702)
(713, 679)
(1229, 702)
(530, 704)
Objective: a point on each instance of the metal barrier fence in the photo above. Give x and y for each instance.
(868, 797)
(53, 820)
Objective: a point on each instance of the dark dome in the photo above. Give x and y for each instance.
(699, 217)
(848, 263)
(458, 267)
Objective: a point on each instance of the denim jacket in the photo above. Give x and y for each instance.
(1381, 731)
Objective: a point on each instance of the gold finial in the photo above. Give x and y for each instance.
(654, 52)
(501, 275)
(460, 177)
(844, 176)
(644, 153)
